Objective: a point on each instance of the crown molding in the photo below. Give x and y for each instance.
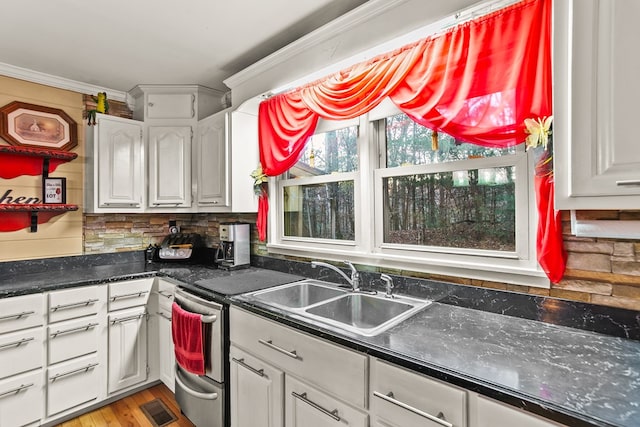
(357, 16)
(58, 82)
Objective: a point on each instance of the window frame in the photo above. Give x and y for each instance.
(518, 267)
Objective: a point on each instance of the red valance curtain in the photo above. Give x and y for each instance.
(478, 82)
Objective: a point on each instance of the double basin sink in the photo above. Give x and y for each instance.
(322, 302)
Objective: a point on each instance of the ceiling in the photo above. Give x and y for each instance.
(117, 44)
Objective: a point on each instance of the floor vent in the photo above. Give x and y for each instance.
(157, 413)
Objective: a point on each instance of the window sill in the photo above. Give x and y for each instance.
(513, 274)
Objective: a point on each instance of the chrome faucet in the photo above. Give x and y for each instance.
(354, 280)
(388, 281)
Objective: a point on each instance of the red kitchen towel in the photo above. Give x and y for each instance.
(187, 333)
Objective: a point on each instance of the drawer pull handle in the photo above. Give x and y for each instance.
(628, 182)
(439, 419)
(333, 414)
(126, 319)
(16, 390)
(74, 304)
(242, 363)
(131, 295)
(293, 354)
(17, 316)
(161, 314)
(16, 343)
(166, 294)
(75, 371)
(78, 329)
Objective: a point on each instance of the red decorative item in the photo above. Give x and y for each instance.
(477, 82)
(18, 161)
(16, 216)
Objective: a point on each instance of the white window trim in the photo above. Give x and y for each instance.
(520, 267)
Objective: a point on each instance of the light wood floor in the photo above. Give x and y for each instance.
(127, 413)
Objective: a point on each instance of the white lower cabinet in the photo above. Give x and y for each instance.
(307, 406)
(163, 346)
(324, 384)
(127, 348)
(256, 391)
(72, 383)
(20, 399)
(400, 397)
(21, 351)
(486, 412)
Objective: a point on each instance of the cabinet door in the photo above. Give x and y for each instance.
(596, 154)
(256, 392)
(120, 163)
(127, 348)
(309, 407)
(167, 356)
(169, 166)
(244, 159)
(171, 105)
(211, 160)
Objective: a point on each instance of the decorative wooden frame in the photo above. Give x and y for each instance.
(32, 125)
(54, 190)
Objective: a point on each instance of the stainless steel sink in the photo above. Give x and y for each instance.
(325, 304)
(365, 314)
(298, 294)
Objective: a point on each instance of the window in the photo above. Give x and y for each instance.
(375, 191)
(451, 202)
(318, 194)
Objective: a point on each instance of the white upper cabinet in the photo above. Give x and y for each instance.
(115, 165)
(597, 159)
(174, 102)
(245, 159)
(210, 162)
(171, 106)
(169, 166)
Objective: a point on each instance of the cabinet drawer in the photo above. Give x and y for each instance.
(335, 369)
(491, 413)
(72, 383)
(127, 294)
(21, 312)
(307, 406)
(407, 398)
(21, 399)
(21, 351)
(72, 303)
(72, 338)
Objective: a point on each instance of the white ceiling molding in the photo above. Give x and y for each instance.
(59, 82)
(355, 17)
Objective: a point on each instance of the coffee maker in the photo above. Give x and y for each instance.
(233, 251)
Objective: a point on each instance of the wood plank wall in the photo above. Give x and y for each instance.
(62, 236)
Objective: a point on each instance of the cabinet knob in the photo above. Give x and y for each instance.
(150, 104)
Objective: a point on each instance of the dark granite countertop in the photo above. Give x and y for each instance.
(574, 376)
